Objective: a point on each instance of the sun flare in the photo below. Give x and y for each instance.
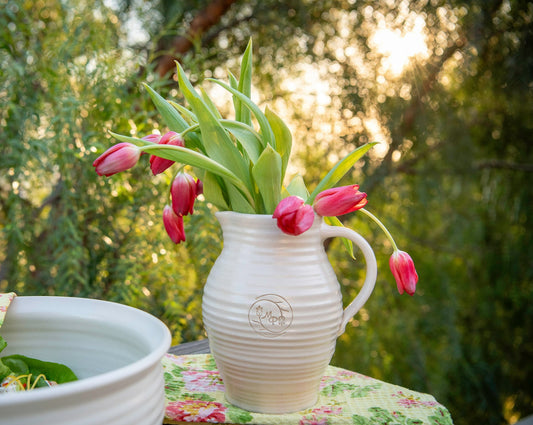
(398, 48)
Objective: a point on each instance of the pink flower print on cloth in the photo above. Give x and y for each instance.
(319, 416)
(202, 381)
(313, 420)
(342, 375)
(196, 411)
(177, 360)
(412, 401)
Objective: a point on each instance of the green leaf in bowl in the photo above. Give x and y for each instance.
(22, 365)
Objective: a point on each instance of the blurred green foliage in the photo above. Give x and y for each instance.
(451, 180)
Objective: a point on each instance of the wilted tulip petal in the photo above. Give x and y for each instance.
(403, 269)
(339, 200)
(117, 158)
(199, 187)
(293, 216)
(173, 225)
(184, 191)
(158, 165)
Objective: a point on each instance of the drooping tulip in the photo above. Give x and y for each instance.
(154, 137)
(339, 200)
(117, 158)
(157, 164)
(404, 272)
(293, 216)
(173, 225)
(184, 191)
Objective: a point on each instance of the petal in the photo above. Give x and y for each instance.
(293, 216)
(340, 200)
(305, 217)
(159, 165)
(173, 225)
(183, 192)
(119, 157)
(288, 205)
(404, 272)
(155, 138)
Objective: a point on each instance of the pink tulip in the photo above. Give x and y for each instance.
(154, 138)
(184, 191)
(339, 201)
(117, 158)
(173, 225)
(158, 165)
(403, 269)
(293, 216)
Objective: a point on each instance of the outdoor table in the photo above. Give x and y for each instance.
(195, 393)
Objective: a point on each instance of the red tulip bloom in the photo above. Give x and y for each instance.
(294, 216)
(339, 201)
(158, 165)
(173, 225)
(184, 191)
(403, 269)
(117, 158)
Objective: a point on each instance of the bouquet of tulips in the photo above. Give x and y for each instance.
(240, 167)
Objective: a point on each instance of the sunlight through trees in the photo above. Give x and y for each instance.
(445, 87)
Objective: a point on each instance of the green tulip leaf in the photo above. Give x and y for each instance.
(297, 187)
(217, 142)
(242, 113)
(172, 118)
(213, 191)
(234, 83)
(249, 139)
(209, 103)
(196, 159)
(186, 114)
(267, 135)
(133, 140)
(238, 202)
(189, 157)
(283, 137)
(267, 175)
(340, 170)
(348, 244)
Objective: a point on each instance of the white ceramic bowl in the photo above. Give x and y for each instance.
(115, 351)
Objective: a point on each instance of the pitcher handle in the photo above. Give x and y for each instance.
(327, 232)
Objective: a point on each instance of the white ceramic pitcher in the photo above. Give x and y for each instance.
(272, 309)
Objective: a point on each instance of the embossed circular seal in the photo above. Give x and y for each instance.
(270, 315)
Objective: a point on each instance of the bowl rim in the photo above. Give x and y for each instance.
(97, 381)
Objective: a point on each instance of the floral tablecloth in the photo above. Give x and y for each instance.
(195, 393)
(5, 300)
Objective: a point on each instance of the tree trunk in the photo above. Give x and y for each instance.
(202, 22)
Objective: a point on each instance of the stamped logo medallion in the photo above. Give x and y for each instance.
(270, 315)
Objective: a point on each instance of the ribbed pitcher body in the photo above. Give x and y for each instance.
(272, 309)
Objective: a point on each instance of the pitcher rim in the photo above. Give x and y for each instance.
(258, 216)
(264, 218)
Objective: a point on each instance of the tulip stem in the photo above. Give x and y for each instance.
(382, 226)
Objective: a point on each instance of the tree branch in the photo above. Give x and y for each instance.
(205, 19)
(506, 165)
